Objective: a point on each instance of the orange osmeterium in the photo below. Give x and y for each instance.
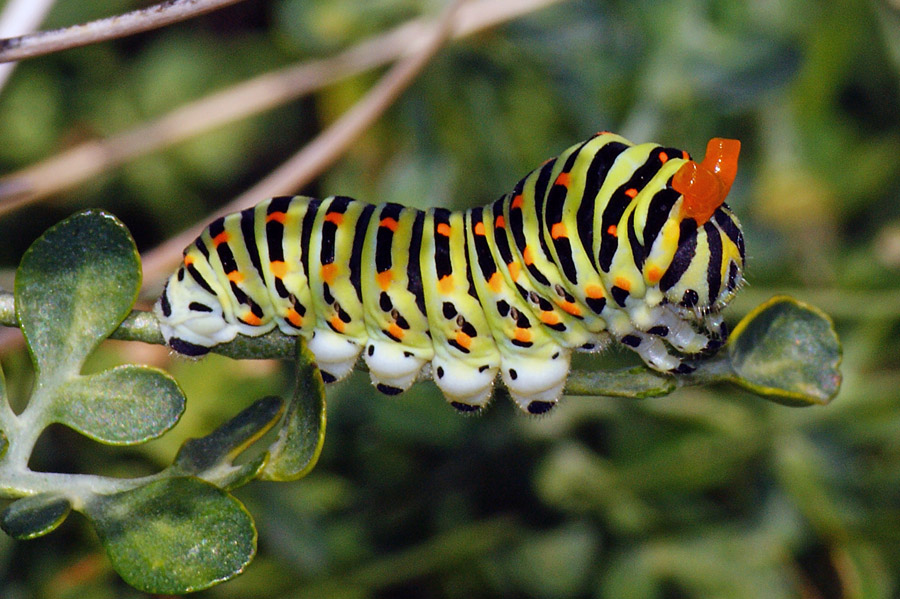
(705, 185)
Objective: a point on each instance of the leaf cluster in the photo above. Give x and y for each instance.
(175, 531)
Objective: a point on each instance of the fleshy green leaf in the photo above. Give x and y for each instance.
(296, 450)
(74, 286)
(34, 516)
(125, 405)
(176, 535)
(788, 351)
(636, 383)
(219, 448)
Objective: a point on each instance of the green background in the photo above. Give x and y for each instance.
(709, 492)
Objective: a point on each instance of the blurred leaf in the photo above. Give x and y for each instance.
(35, 516)
(788, 351)
(302, 431)
(74, 286)
(555, 563)
(125, 405)
(863, 572)
(176, 535)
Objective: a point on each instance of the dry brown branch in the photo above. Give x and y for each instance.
(240, 101)
(158, 15)
(20, 17)
(321, 151)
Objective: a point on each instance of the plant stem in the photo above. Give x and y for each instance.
(152, 17)
(20, 17)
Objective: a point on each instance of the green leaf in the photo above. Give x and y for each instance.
(636, 383)
(125, 405)
(74, 286)
(176, 535)
(787, 351)
(34, 516)
(296, 450)
(219, 448)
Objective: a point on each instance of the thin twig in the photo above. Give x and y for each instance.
(240, 101)
(306, 164)
(158, 15)
(20, 17)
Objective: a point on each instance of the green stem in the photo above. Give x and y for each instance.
(18, 482)
(8, 310)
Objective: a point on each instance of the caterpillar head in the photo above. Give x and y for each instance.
(707, 268)
(190, 316)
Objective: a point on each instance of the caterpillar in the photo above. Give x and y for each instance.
(610, 241)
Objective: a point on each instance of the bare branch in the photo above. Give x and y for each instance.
(306, 164)
(240, 101)
(20, 17)
(152, 17)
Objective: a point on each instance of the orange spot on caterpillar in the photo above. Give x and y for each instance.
(445, 284)
(443, 229)
(548, 317)
(335, 217)
(221, 238)
(528, 256)
(613, 230)
(631, 192)
(517, 202)
(514, 270)
(594, 291)
(384, 279)
(463, 340)
(252, 319)
(188, 260)
(558, 230)
(395, 330)
(336, 323)
(604, 132)
(654, 274)
(329, 271)
(278, 217)
(294, 318)
(500, 222)
(389, 223)
(479, 228)
(570, 308)
(278, 268)
(663, 157)
(564, 179)
(623, 283)
(235, 276)
(523, 335)
(495, 282)
(705, 185)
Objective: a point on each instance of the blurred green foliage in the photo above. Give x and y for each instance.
(704, 493)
